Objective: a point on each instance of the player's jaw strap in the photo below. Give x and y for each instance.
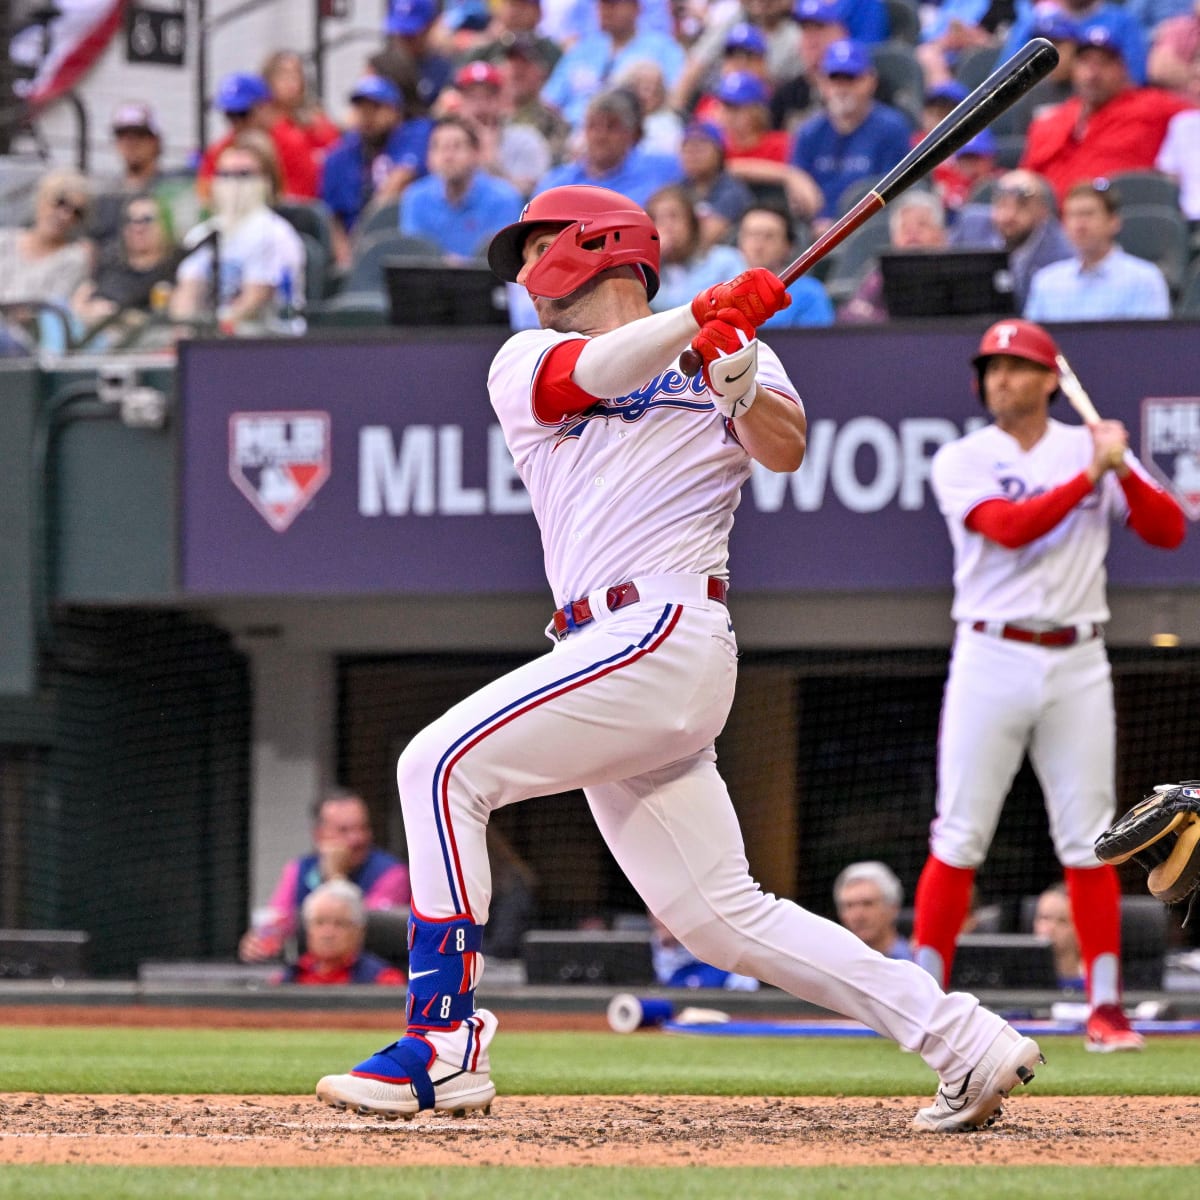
(441, 970)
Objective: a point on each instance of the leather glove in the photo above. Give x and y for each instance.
(756, 294)
(728, 352)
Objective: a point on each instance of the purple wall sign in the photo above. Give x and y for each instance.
(377, 467)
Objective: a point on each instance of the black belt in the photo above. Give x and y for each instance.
(579, 612)
(1061, 635)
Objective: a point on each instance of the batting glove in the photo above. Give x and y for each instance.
(756, 294)
(728, 351)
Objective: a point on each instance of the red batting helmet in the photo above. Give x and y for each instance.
(1021, 339)
(600, 229)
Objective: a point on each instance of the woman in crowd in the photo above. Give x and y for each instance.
(688, 266)
(50, 259)
(286, 77)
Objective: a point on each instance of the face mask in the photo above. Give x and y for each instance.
(236, 199)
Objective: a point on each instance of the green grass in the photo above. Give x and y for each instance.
(601, 1183)
(288, 1062)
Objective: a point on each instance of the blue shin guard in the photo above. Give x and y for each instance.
(440, 996)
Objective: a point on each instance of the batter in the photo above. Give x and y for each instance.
(1029, 502)
(634, 471)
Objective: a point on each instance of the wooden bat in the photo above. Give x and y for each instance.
(998, 92)
(1074, 391)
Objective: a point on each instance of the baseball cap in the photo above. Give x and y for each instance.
(951, 91)
(817, 12)
(1099, 37)
(406, 17)
(135, 116)
(528, 47)
(478, 72)
(1055, 25)
(377, 89)
(846, 57)
(983, 144)
(240, 92)
(741, 87)
(705, 129)
(745, 37)
(473, 15)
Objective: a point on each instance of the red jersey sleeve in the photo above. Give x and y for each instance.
(1014, 524)
(1153, 515)
(555, 394)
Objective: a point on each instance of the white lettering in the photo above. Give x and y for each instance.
(876, 435)
(453, 499)
(506, 493)
(915, 435)
(807, 485)
(395, 483)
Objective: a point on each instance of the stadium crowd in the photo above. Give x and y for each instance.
(746, 127)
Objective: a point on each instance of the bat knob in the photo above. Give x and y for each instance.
(690, 362)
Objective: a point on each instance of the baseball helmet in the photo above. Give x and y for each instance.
(600, 229)
(1021, 339)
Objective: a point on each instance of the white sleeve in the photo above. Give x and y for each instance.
(960, 481)
(772, 375)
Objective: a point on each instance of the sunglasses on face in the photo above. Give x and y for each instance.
(69, 205)
(238, 173)
(141, 219)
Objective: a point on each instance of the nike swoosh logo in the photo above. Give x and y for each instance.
(421, 974)
(735, 378)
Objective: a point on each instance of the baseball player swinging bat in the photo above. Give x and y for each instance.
(998, 92)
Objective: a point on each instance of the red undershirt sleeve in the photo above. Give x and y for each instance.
(555, 394)
(1016, 523)
(1153, 515)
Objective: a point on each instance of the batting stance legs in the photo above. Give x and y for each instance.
(1003, 698)
(591, 715)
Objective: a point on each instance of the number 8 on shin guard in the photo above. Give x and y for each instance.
(441, 1063)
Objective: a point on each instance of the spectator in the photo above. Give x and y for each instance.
(1108, 126)
(687, 265)
(868, 897)
(745, 53)
(261, 256)
(766, 238)
(335, 931)
(137, 139)
(1020, 219)
(676, 966)
(865, 20)
(662, 126)
(297, 108)
(1101, 282)
(611, 157)
(246, 102)
(373, 163)
(773, 18)
(1056, 27)
(1175, 54)
(1117, 20)
(599, 58)
(516, 22)
(458, 205)
(1179, 158)
(969, 168)
(1052, 921)
(49, 260)
(408, 27)
(136, 276)
(719, 198)
(856, 137)
(514, 150)
(527, 68)
(344, 849)
(917, 221)
(955, 27)
(795, 99)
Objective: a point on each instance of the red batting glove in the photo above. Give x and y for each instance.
(756, 294)
(719, 338)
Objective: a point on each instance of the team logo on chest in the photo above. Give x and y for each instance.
(279, 460)
(670, 389)
(1171, 447)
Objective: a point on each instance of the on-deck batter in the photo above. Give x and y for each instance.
(634, 471)
(1028, 502)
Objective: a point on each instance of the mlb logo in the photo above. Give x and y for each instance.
(1171, 447)
(279, 460)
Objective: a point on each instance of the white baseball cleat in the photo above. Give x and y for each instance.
(974, 1101)
(393, 1083)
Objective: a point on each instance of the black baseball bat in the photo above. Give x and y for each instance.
(998, 92)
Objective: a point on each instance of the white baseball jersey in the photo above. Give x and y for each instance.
(636, 485)
(1058, 578)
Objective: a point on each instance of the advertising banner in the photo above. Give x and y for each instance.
(371, 467)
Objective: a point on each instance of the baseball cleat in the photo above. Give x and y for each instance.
(381, 1087)
(1108, 1029)
(974, 1102)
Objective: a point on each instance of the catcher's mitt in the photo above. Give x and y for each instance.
(1162, 835)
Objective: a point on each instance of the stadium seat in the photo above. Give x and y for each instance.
(850, 261)
(382, 218)
(901, 80)
(976, 65)
(1145, 187)
(1188, 304)
(311, 217)
(904, 22)
(316, 269)
(350, 310)
(1158, 233)
(366, 270)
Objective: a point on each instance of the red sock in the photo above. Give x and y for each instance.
(942, 901)
(1095, 894)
